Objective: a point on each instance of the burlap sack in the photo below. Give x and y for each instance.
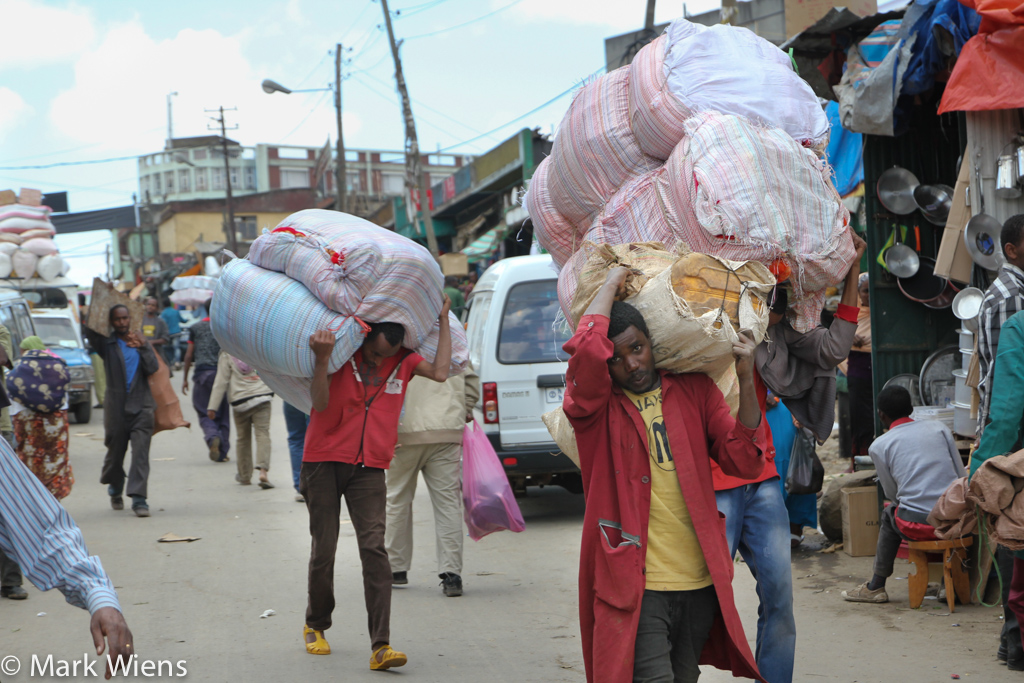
(168, 409)
(562, 432)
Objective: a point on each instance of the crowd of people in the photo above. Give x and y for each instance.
(675, 485)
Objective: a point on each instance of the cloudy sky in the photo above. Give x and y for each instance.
(83, 81)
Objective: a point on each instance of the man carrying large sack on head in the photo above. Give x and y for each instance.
(655, 571)
(350, 440)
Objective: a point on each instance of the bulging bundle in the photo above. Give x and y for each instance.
(356, 268)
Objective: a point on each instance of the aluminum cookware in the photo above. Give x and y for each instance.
(1007, 178)
(934, 202)
(963, 423)
(895, 190)
(967, 306)
(966, 337)
(963, 392)
(981, 236)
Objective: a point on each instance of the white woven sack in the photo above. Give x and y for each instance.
(194, 282)
(356, 268)
(729, 69)
(8, 247)
(295, 390)
(595, 151)
(191, 297)
(6, 267)
(24, 263)
(18, 224)
(49, 267)
(40, 246)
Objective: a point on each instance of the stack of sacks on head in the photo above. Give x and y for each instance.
(27, 248)
(710, 141)
(193, 290)
(327, 270)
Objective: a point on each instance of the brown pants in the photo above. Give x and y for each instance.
(246, 422)
(323, 484)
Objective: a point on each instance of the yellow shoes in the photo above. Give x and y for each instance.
(384, 658)
(319, 645)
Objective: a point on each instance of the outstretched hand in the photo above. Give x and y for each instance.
(109, 623)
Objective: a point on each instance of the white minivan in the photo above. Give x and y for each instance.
(515, 347)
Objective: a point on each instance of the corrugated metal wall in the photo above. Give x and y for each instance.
(905, 333)
(990, 132)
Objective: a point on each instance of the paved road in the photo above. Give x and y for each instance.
(200, 602)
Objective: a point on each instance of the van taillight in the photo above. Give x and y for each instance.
(490, 403)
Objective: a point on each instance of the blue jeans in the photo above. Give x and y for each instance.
(296, 421)
(757, 524)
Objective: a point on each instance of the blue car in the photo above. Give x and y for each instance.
(62, 335)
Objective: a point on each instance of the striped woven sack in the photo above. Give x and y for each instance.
(295, 390)
(266, 319)
(554, 232)
(746, 192)
(595, 151)
(356, 268)
(693, 68)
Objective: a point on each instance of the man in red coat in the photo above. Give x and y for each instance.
(655, 571)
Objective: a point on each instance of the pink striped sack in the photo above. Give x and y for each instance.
(781, 207)
(356, 268)
(554, 232)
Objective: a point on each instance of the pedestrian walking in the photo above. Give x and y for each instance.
(10, 573)
(655, 570)
(350, 441)
(250, 401)
(204, 352)
(295, 422)
(128, 410)
(37, 532)
(173, 318)
(430, 442)
(453, 292)
(38, 387)
(155, 330)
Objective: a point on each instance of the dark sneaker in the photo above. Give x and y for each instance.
(141, 510)
(1015, 664)
(13, 593)
(117, 502)
(215, 449)
(452, 584)
(399, 578)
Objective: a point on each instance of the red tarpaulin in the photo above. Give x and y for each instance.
(989, 74)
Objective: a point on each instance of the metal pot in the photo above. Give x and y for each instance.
(1007, 177)
(981, 235)
(901, 260)
(934, 202)
(963, 423)
(944, 300)
(966, 337)
(924, 286)
(895, 190)
(967, 306)
(963, 392)
(1018, 152)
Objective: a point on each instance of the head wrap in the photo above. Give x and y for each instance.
(32, 344)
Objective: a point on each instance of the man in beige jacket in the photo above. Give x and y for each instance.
(250, 403)
(430, 441)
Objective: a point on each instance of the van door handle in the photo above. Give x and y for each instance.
(550, 381)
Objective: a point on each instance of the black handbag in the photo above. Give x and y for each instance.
(806, 473)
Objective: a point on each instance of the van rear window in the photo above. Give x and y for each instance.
(528, 334)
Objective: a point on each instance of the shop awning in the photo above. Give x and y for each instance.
(486, 244)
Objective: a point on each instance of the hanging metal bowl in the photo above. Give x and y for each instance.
(895, 190)
(934, 202)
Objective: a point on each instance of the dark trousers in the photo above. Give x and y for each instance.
(296, 422)
(323, 484)
(136, 430)
(673, 628)
(889, 540)
(10, 572)
(1010, 636)
(202, 387)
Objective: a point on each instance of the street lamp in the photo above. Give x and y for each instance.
(340, 181)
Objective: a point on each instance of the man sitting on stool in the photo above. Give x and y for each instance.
(916, 462)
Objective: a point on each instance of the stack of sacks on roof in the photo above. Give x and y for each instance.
(27, 248)
(710, 142)
(327, 270)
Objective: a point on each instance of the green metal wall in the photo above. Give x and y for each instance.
(905, 333)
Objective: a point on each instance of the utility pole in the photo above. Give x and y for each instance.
(341, 175)
(229, 225)
(170, 119)
(649, 21)
(414, 172)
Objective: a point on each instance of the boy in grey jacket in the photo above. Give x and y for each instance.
(250, 404)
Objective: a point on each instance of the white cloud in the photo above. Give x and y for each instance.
(120, 93)
(36, 34)
(13, 110)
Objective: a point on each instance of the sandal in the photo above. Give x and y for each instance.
(318, 646)
(384, 658)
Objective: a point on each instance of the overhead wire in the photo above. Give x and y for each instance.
(316, 105)
(467, 23)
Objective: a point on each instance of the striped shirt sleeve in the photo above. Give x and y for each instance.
(39, 534)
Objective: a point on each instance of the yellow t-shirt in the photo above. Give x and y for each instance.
(675, 561)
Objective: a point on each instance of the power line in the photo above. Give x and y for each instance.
(522, 116)
(356, 21)
(68, 163)
(305, 118)
(467, 23)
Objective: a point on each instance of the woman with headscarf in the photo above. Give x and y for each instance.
(862, 409)
(38, 388)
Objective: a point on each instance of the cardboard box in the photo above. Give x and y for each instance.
(953, 260)
(802, 14)
(860, 521)
(454, 264)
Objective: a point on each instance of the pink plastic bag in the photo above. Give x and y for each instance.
(489, 503)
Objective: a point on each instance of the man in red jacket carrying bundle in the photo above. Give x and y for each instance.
(655, 571)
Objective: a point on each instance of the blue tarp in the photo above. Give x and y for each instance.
(930, 19)
(845, 152)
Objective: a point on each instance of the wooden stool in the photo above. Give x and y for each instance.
(957, 582)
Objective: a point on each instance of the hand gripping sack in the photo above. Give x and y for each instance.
(356, 268)
(486, 493)
(806, 473)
